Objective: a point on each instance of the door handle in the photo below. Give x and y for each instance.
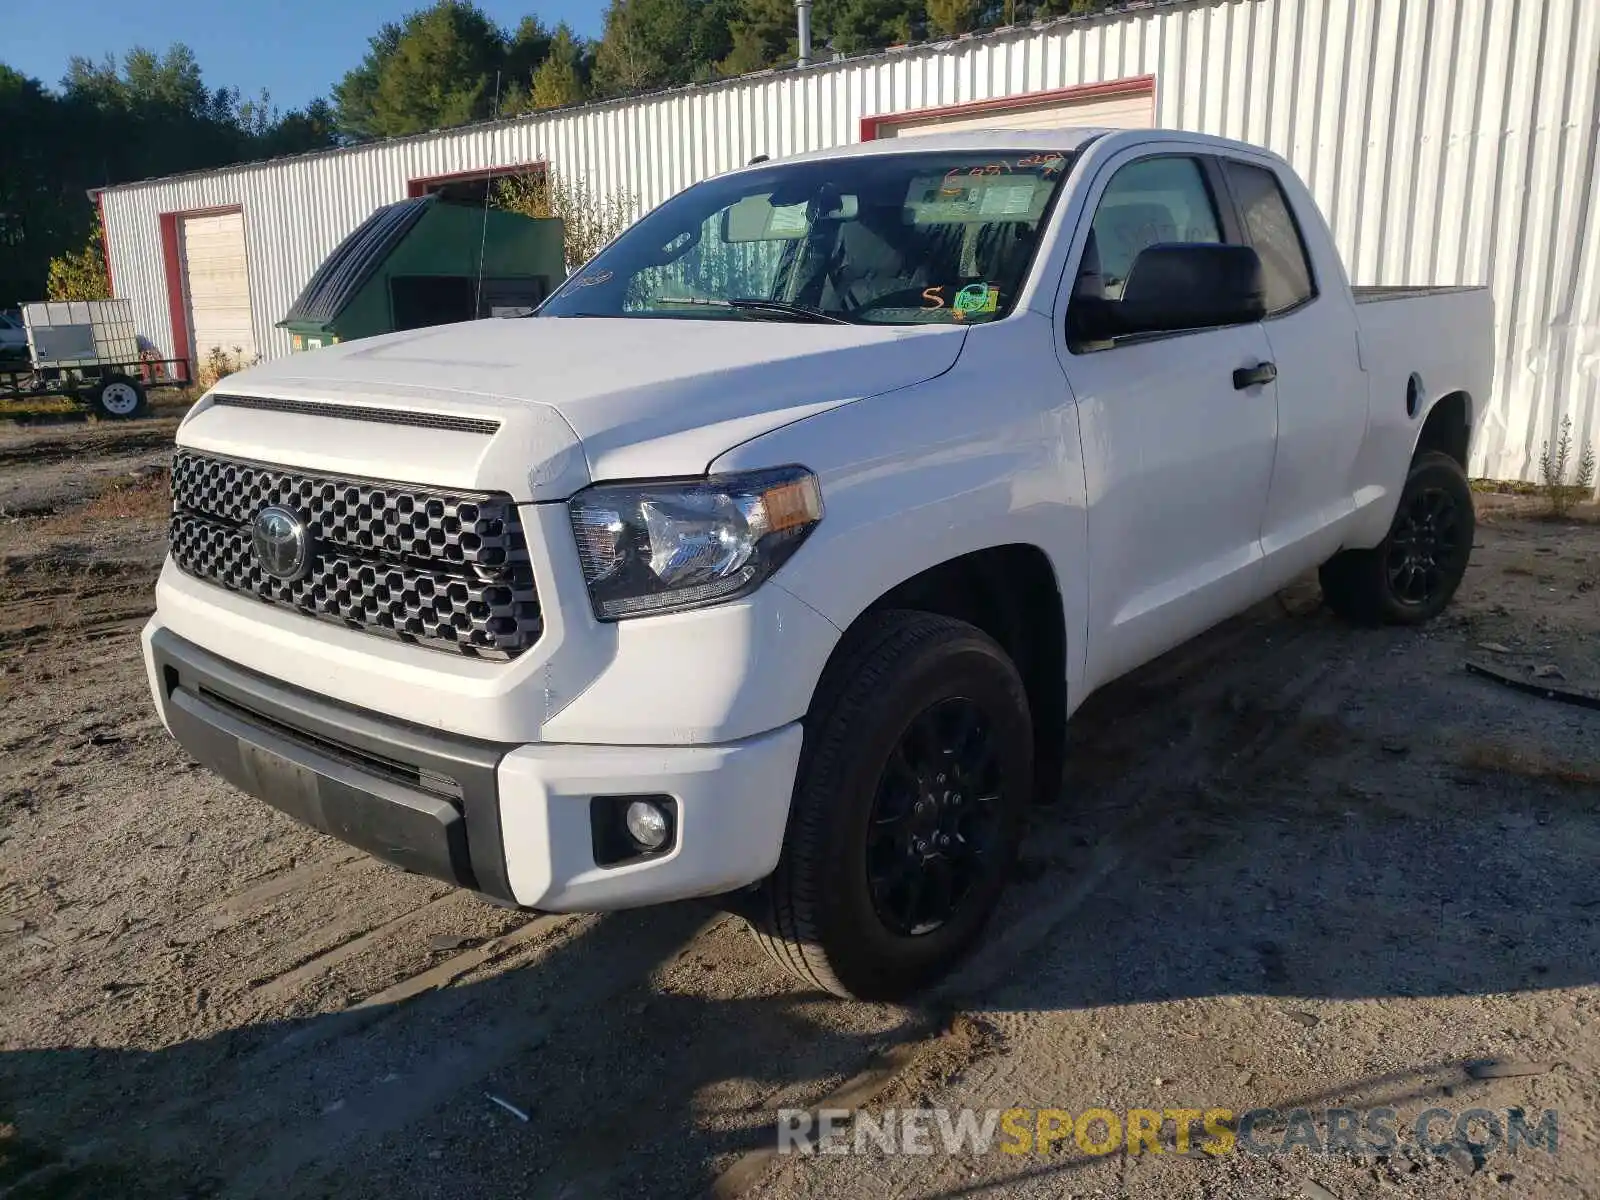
(1244, 377)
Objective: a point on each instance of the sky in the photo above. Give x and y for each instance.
(296, 49)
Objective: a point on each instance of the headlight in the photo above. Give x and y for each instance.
(659, 547)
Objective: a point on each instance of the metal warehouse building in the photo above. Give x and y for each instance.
(1447, 141)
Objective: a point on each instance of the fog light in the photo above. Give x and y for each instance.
(647, 824)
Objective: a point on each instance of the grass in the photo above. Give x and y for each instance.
(1505, 487)
(147, 496)
(37, 406)
(140, 498)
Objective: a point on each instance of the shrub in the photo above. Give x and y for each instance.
(218, 364)
(589, 219)
(1553, 469)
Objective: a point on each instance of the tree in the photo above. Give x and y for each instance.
(763, 34)
(646, 45)
(853, 26)
(954, 17)
(354, 95)
(81, 274)
(528, 48)
(112, 121)
(442, 71)
(711, 39)
(559, 79)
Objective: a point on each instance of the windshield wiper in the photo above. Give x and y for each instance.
(758, 308)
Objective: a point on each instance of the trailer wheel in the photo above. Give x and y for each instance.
(120, 398)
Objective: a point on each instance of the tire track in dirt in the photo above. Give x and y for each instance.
(349, 938)
(1232, 743)
(273, 1139)
(47, 449)
(1232, 749)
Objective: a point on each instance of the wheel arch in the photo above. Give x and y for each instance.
(1012, 593)
(1446, 427)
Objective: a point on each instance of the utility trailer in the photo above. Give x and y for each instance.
(88, 351)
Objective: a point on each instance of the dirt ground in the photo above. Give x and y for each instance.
(1296, 865)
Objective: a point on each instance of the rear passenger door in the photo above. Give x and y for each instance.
(1322, 390)
(1177, 455)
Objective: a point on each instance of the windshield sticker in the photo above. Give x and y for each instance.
(933, 298)
(1006, 200)
(975, 299)
(954, 177)
(1048, 164)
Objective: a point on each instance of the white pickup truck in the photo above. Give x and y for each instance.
(772, 555)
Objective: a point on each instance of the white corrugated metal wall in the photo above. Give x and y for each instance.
(1447, 141)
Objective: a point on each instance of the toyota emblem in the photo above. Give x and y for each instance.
(282, 543)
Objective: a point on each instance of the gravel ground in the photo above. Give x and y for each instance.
(1296, 865)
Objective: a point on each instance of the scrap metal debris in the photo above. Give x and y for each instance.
(508, 1106)
(1569, 694)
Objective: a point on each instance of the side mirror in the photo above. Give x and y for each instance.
(1180, 285)
(1192, 285)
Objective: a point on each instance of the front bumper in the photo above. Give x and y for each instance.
(511, 821)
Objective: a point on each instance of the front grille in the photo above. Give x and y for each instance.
(447, 570)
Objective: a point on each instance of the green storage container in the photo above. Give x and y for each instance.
(415, 263)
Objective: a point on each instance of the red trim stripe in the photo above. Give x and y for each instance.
(874, 126)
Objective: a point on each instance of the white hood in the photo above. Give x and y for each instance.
(577, 399)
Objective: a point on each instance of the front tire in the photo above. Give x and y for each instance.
(907, 809)
(1411, 575)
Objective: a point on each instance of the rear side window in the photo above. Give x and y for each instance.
(1274, 234)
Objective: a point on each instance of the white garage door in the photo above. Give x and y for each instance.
(1136, 110)
(216, 285)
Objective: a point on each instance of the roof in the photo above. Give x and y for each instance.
(1067, 139)
(816, 68)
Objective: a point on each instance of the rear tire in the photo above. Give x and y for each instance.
(1411, 575)
(907, 808)
(119, 398)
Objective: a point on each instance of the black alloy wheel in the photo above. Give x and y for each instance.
(1411, 575)
(908, 805)
(1424, 546)
(934, 831)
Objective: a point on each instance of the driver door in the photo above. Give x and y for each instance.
(1178, 454)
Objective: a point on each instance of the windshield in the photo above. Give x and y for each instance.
(902, 239)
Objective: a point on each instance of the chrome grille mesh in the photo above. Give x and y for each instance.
(443, 569)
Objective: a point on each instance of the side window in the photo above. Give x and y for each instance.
(1272, 231)
(1148, 202)
(1156, 262)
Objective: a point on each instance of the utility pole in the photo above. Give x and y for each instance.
(802, 10)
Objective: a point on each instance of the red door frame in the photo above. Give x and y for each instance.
(172, 258)
(1136, 85)
(420, 185)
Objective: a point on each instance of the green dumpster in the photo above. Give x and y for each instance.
(415, 263)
